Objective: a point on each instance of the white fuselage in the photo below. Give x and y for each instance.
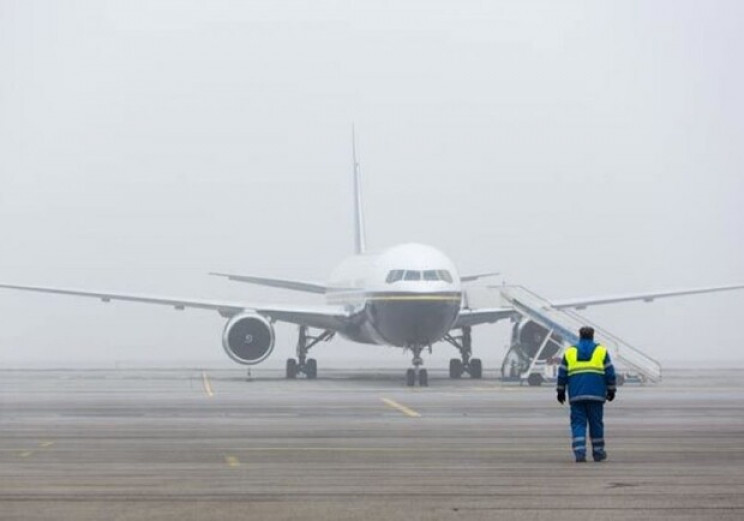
(407, 295)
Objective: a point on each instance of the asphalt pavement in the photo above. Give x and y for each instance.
(207, 444)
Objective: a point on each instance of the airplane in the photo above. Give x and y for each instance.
(408, 296)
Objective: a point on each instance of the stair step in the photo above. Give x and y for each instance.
(626, 358)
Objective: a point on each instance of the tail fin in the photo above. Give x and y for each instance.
(359, 242)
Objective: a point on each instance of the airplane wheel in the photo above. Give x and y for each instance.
(291, 368)
(455, 368)
(423, 378)
(476, 368)
(410, 378)
(311, 369)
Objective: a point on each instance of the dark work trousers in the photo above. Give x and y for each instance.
(584, 411)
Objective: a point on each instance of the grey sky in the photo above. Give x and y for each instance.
(580, 148)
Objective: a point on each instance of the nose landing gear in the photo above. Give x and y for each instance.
(417, 372)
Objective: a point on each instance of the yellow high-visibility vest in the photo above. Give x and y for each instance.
(594, 365)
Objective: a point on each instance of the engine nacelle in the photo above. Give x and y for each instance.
(531, 337)
(248, 339)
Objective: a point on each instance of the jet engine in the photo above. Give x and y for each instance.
(248, 339)
(530, 337)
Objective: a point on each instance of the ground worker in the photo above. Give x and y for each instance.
(587, 370)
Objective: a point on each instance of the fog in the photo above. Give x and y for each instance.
(579, 148)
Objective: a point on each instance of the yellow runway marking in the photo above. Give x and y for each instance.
(207, 385)
(28, 453)
(402, 408)
(232, 461)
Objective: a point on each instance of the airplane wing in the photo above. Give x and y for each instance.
(471, 278)
(323, 317)
(583, 303)
(296, 285)
(473, 317)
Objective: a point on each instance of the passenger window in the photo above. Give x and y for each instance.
(431, 275)
(445, 276)
(412, 275)
(394, 276)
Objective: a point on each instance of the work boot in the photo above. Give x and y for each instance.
(580, 457)
(599, 456)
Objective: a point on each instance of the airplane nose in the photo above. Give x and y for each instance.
(405, 320)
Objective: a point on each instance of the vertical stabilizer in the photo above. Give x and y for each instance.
(359, 241)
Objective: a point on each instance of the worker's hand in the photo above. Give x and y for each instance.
(610, 395)
(561, 396)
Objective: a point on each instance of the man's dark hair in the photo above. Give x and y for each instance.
(586, 333)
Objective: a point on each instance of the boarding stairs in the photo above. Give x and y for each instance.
(629, 361)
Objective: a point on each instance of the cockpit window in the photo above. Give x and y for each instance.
(412, 275)
(394, 276)
(428, 275)
(445, 276)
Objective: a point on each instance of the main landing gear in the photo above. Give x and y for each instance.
(464, 343)
(303, 364)
(417, 372)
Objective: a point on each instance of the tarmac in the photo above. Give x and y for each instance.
(358, 445)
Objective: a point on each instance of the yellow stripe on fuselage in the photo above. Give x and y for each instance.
(430, 298)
